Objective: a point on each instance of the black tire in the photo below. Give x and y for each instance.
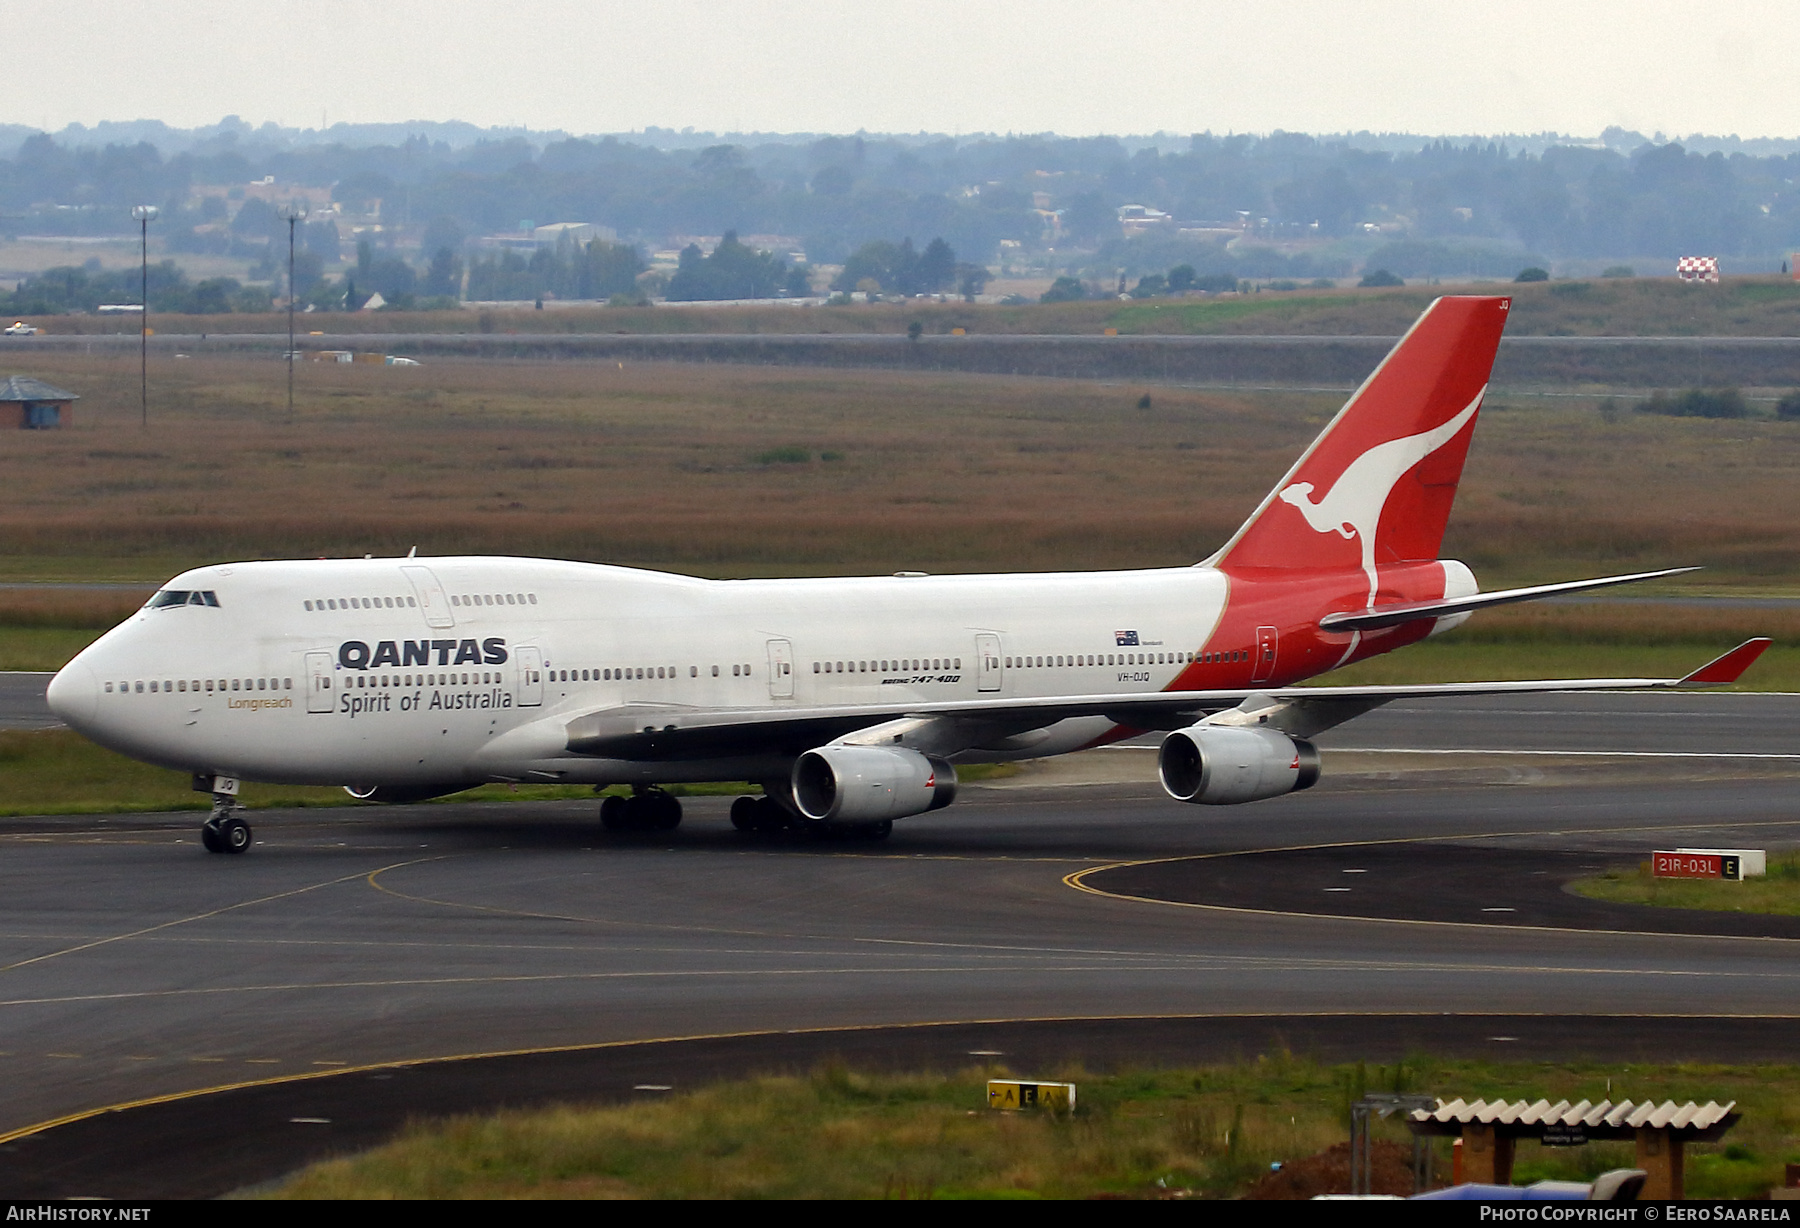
(209, 837)
(665, 811)
(880, 830)
(770, 816)
(743, 814)
(615, 813)
(234, 836)
(639, 812)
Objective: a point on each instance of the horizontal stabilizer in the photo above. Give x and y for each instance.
(1416, 611)
(1725, 670)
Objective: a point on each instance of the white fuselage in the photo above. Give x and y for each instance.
(461, 670)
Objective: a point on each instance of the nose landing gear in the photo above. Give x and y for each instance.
(224, 831)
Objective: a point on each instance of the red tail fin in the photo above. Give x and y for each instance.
(1376, 486)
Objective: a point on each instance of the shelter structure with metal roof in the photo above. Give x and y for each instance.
(32, 405)
(1490, 1129)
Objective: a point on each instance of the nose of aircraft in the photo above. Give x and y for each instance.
(74, 694)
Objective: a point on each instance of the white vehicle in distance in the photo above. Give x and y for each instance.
(18, 328)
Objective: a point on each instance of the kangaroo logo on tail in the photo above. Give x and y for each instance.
(1352, 507)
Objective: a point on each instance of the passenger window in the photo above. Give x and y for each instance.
(532, 597)
(140, 688)
(309, 606)
(109, 689)
(693, 671)
(715, 671)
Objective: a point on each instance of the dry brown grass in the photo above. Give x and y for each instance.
(678, 467)
(86, 609)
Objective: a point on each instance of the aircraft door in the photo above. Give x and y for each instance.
(318, 682)
(781, 669)
(531, 676)
(1267, 639)
(988, 672)
(433, 603)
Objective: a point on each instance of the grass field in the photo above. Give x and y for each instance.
(1209, 1132)
(1637, 307)
(699, 469)
(1776, 892)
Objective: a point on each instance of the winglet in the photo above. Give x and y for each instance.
(1725, 670)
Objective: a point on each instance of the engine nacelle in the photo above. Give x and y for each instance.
(861, 784)
(1222, 765)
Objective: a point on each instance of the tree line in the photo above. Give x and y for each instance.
(1626, 197)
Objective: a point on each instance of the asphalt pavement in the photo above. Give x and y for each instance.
(382, 940)
(22, 703)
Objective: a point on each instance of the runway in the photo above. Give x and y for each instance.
(22, 704)
(132, 965)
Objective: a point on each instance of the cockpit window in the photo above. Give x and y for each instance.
(182, 596)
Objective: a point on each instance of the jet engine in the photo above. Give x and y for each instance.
(1221, 765)
(861, 784)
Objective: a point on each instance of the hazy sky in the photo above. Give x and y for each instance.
(1070, 66)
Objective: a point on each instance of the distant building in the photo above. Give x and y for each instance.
(32, 405)
(581, 233)
(1142, 219)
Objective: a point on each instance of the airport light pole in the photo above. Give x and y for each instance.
(143, 214)
(294, 214)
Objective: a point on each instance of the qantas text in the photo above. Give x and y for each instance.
(354, 654)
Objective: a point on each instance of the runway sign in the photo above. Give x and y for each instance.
(1733, 864)
(1014, 1094)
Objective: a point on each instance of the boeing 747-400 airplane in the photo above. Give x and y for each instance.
(847, 700)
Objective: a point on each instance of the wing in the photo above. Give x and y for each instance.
(663, 732)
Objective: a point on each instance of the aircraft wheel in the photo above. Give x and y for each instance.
(770, 816)
(743, 814)
(664, 812)
(615, 813)
(234, 836)
(875, 831)
(210, 839)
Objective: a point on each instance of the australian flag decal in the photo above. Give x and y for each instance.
(1125, 639)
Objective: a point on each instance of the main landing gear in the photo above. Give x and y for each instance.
(644, 810)
(224, 831)
(765, 815)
